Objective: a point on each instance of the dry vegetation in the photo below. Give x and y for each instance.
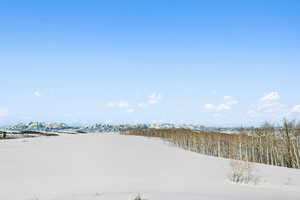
(23, 134)
(243, 173)
(267, 145)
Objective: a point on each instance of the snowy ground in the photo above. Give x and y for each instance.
(114, 167)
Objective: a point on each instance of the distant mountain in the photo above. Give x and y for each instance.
(39, 126)
(102, 127)
(113, 128)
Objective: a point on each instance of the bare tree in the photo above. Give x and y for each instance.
(266, 144)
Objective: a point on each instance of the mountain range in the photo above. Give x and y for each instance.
(104, 127)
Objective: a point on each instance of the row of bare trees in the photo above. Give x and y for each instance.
(269, 145)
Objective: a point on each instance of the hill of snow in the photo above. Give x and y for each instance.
(111, 166)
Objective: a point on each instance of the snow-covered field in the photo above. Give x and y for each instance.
(111, 166)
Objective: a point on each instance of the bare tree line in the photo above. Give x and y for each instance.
(266, 144)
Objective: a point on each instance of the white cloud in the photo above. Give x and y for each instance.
(154, 98)
(269, 104)
(226, 98)
(272, 107)
(217, 107)
(269, 108)
(228, 103)
(296, 109)
(142, 105)
(37, 94)
(272, 96)
(111, 104)
(130, 110)
(151, 99)
(3, 112)
(123, 104)
(119, 104)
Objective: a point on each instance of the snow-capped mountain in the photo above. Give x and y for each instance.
(39, 126)
(114, 128)
(104, 127)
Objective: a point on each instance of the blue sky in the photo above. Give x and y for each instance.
(205, 62)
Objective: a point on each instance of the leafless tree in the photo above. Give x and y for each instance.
(265, 144)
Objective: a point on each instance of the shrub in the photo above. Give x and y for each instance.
(243, 172)
(138, 197)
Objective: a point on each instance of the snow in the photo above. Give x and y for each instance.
(115, 167)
